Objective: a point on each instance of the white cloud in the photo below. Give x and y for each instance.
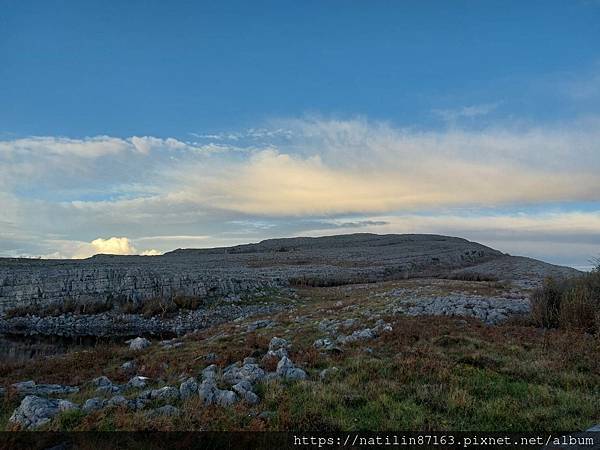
(58, 195)
(466, 112)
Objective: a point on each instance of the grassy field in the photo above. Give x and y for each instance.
(429, 373)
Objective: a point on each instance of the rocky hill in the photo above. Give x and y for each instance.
(218, 272)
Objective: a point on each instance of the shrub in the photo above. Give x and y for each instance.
(158, 306)
(570, 304)
(545, 303)
(470, 276)
(187, 302)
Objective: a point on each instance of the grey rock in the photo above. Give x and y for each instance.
(35, 411)
(225, 398)
(287, 370)
(207, 391)
(251, 398)
(66, 405)
(323, 343)
(188, 388)
(250, 372)
(210, 274)
(210, 372)
(165, 411)
(328, 373)
(101, 381)
(263, 323)
(128, 366)
(139, 343)
(118, 401)
(32, 388)
(93, 404)
(165, 393)
(242, 386)
(138, 382)
(278, 343)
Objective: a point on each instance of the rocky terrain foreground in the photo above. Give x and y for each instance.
(358, 332)
(373, 356)
(110, 292)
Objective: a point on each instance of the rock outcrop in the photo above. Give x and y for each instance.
(221, 272)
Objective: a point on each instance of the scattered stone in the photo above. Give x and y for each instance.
(138, 382)
(490, 310)
(35, 411)
(101, 381)
(278, 343)
(93, 404)
(128, 366)
(324, 343)
(117, 401)
(171, 343)
(287, 370)
(165, 393)
(225, 398)
(250, 372)
(32, 388)
(139, 343)
(210, 372)
(244, 390)
(164, 411)
(188, 388)
(207, 390)
(263, 323)
(327, 373)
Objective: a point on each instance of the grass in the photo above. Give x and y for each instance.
(569, 304)
(430, 373)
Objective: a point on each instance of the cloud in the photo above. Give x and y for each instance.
(466, 112)
(58, 194)
(67, 249)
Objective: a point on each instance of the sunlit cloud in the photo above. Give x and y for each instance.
(58, 195)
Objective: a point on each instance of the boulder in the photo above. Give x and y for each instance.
(188, 388)
(244, 390)
(287, 370)
(118, 400)
(101, 381)
(210, 372)
(279, 346)
(225, 398)
(139, 343)
(35, 411)
(207, 391)
(32, 388)
(138, 382)
(165, 393)
(250, 372)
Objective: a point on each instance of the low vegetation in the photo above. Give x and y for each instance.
(429, 373)
(147, 307)
(572, 304)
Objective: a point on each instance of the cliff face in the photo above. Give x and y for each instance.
(223, 271)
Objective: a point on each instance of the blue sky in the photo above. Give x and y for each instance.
(336, 116)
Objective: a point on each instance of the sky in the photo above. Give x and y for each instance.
(143, 126)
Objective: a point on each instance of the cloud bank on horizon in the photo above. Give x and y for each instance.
(72, 198)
